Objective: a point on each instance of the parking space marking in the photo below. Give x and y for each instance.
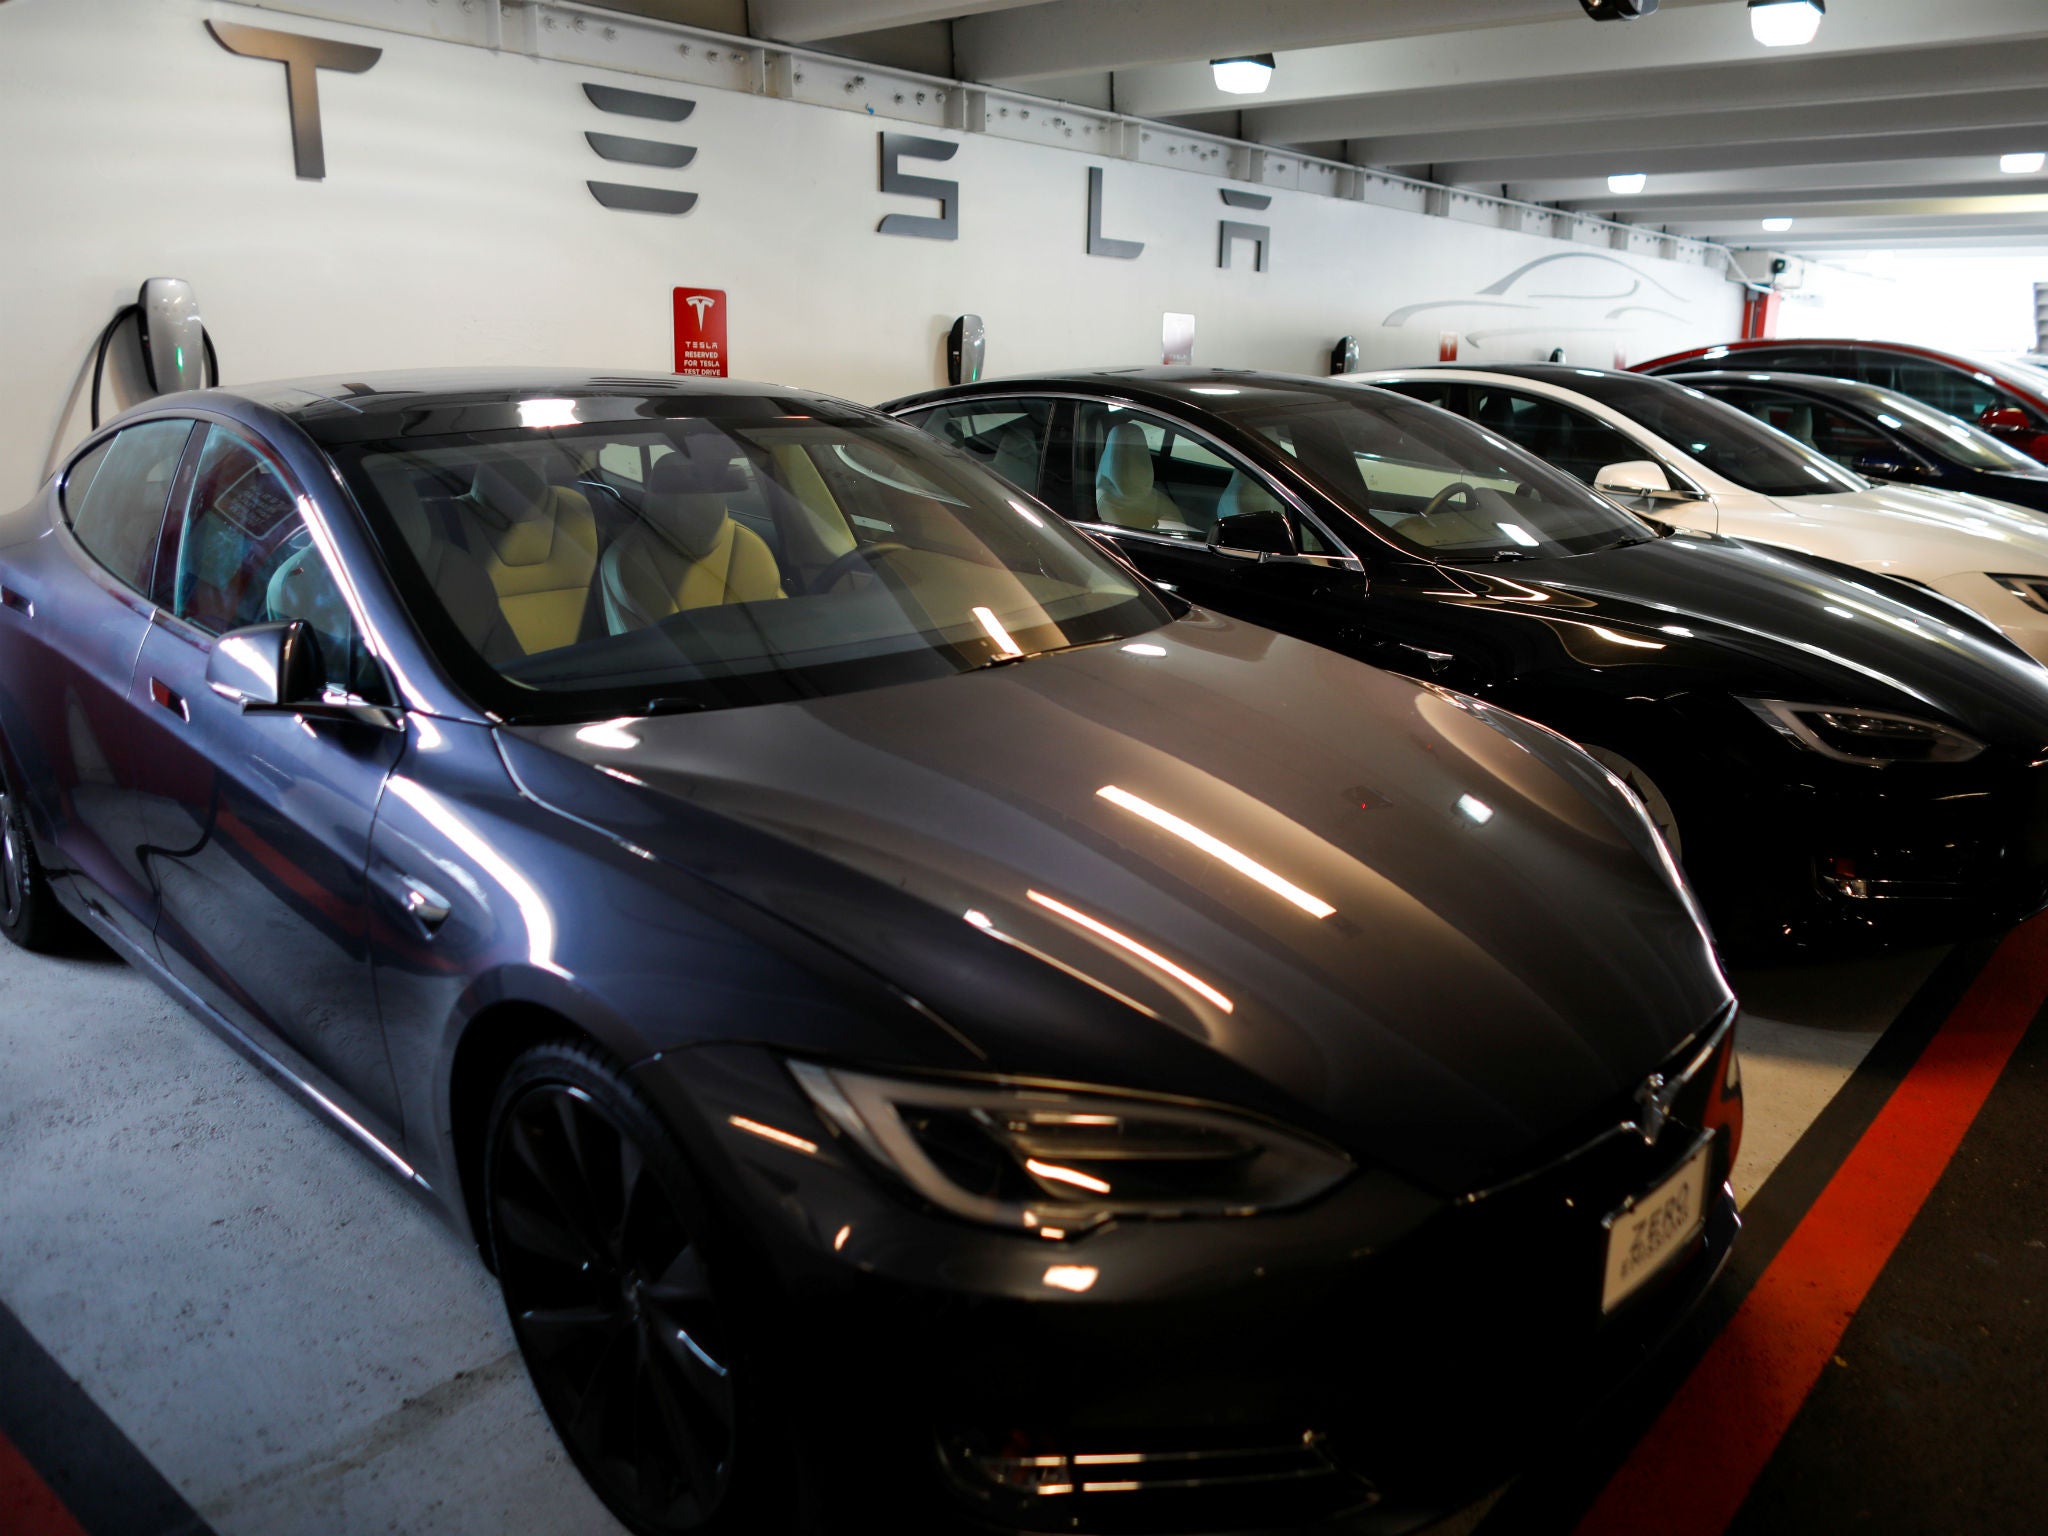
(27, 1506)
(1719, 1430)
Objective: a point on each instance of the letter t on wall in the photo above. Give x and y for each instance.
(302, 57)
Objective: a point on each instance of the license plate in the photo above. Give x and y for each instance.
(1647, 1233)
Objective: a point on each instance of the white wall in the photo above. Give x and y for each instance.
(454, 227)
(1968, 301)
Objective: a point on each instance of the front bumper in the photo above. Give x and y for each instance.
(1366, 1363)
(1786, 843)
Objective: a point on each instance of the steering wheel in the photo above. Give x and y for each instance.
(1455, 488)
(862, 554)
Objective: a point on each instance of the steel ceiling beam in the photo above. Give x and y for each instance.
(1069, 37)
(1631, 97)
(809, 21)
(1525, 176)
(1709, 129)
(1708, 43)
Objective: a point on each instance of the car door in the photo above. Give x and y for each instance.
(260, 823)
(77, 628)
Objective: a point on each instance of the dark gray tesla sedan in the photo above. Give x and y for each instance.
(920, 1021)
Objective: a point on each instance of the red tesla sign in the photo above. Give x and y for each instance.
(700, 331)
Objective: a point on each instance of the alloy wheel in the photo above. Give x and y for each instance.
(613, 1309)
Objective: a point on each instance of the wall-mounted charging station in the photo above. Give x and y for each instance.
(966, 346)
(177, 353)
(1344, 356)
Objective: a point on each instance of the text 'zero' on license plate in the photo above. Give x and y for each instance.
(1645, 1236)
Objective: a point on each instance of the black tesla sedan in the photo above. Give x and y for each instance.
(922, 1024)
(1831, 753)
(1884, 435)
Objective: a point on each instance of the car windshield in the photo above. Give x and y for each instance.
(1730, 442)
(1945, 436)
(735, 557)
(1435, 483)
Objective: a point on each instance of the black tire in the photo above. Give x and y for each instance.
(29, 913)
(631, 1318)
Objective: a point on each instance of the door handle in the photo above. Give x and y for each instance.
(423, 904)
(20, 602)
(165, 697)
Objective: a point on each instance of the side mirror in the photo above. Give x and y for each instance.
(270, 667)
(1874, 466)
(1252, 535)
(2004, 418)
(1638, 478)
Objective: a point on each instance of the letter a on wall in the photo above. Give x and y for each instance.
(897, 147)
(303, 58)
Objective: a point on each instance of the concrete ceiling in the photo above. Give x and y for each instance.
(1885, 131)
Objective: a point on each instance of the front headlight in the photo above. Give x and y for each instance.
(2031, 590)
(1873, 737)
(1058, 1161)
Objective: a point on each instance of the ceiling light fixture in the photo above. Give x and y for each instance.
(1777, 226)
(1628, 183)
(1785, 23)
(1618, 10)
(2025, 164)
(1246, 75)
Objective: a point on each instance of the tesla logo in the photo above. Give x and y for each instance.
(700, 315)
(1653, 1105)
(303, 58)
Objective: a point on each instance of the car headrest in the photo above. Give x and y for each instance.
(1126, 465)
(510, 489)
(703, 467)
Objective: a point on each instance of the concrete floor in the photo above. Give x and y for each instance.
(297, 1345)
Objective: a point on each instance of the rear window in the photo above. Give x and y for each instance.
(114, 497)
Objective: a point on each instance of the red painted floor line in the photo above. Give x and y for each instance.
(1690, 1473)
(27, 1506)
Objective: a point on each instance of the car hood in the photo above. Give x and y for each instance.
(1910, 531)
(1216, 862)
(1737, 617)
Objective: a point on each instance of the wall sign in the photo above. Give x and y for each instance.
(1176, 338)
(897, 147)
(303, 58)
(700, 332)
(625, 149)
(1098, 243)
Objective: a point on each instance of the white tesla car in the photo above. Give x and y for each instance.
(1666, 450)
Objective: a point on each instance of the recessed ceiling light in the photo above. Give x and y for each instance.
(2025, 164)
(1246, 75)
(1777, 226)
(1628, 183)
(1785, 23)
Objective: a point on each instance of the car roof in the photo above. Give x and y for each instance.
(361, 406)
(1165, 385)
(1970, 361)
(1853, 390)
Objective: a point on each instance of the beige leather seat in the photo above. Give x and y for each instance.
(1124, 492)
(537, 543)
(456, 577)
(686, 551)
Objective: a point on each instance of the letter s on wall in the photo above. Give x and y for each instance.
(896, 147)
